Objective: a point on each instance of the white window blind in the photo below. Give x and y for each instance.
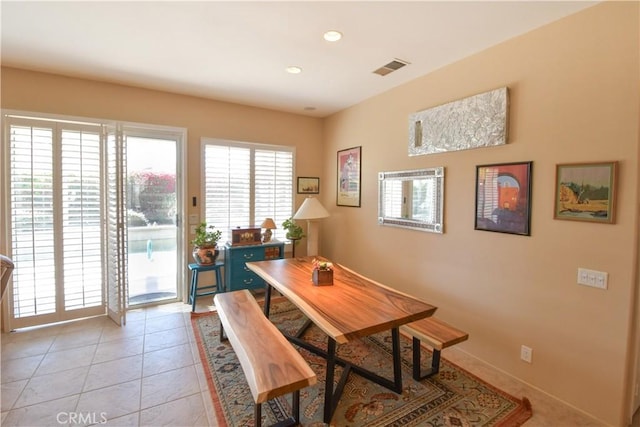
(81, 214)
(394, 201)
(55, 221)
(246, 183)
(32, 221)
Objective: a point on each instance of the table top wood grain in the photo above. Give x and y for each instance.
(353, 307)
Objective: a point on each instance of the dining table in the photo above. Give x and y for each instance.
(352, 307)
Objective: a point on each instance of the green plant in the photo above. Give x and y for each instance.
(294, 231)
(206, 236)
(136, 219)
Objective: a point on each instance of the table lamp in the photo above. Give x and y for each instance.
(268, 224)
(311, 210)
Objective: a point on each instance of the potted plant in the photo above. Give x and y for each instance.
(322, 273)
(294, 231)
(205, 250)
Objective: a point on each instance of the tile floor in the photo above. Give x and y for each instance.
(148, 373)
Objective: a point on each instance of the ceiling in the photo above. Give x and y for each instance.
(237, 51)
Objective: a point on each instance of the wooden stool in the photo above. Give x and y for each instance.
(197, 268)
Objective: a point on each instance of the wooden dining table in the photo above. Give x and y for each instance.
(352, 307)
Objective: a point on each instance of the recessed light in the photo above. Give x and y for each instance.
(332, 36)
(292, 69)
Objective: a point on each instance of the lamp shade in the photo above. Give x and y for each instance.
(268, 223)
(311, 208)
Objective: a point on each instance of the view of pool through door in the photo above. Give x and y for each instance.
(152, 230)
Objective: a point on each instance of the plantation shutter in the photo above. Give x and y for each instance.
(32, 222)
(274, 180)
(394, 202)
(115, 248)
(55, 206)
(246, 183)
(81, 218)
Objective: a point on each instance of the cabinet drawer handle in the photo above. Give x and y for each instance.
(246, 268)
(248, 256)
(248, 281)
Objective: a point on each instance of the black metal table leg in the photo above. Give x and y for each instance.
(328, 389)
(397, 360)
(267, 299)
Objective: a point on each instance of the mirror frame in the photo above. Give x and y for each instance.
(437, 175)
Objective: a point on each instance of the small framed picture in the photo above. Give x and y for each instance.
(349, 164)
(308, 185)
(586, 192)
(503, 198)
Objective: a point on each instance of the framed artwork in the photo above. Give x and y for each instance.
(586, 192)
(308, 185)
(503, 198)
(349, 166)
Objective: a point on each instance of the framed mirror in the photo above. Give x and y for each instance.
(412, 199)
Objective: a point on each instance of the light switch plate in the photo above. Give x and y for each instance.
(593, 278)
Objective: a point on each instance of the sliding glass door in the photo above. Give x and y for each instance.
(151, 217)
(93, 218)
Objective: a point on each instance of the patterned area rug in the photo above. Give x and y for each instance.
(454, 397)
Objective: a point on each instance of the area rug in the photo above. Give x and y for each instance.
(453, 397)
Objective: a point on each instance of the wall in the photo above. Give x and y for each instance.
(574, 93)
(47, 93)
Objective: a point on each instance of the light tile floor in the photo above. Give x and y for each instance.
(148, 373)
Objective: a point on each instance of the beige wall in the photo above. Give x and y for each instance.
(574, 98)
(46, 93)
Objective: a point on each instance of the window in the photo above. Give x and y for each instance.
(246, 183)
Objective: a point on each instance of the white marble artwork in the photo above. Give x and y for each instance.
(477, 121)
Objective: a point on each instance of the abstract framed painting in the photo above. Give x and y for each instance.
(348, 179)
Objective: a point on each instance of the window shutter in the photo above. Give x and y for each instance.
(274, 187)
(55, 185)
(81, 231)
(246, 183)
(32, 223)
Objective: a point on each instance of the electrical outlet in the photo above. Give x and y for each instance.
(526, 353)
(593, 278)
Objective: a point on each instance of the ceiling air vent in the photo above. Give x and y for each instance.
(392, 66)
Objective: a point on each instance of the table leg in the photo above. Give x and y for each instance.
(397, 359)
(328, 389)
(267, 299)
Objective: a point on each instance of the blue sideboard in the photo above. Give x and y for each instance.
(237, 275)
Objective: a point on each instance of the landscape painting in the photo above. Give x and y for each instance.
(586, 192)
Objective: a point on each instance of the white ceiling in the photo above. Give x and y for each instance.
(237, 51)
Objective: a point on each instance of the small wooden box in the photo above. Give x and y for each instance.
(245, 236)
(322, 277)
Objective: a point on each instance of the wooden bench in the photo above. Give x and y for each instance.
(271, 364)
(438, 335)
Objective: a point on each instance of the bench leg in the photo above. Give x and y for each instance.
(222, 337)
(257, 413)
(295, 407)
(293, 420)
(435, 362)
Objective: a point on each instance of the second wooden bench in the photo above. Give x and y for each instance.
(438, 335)
(271, 364)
